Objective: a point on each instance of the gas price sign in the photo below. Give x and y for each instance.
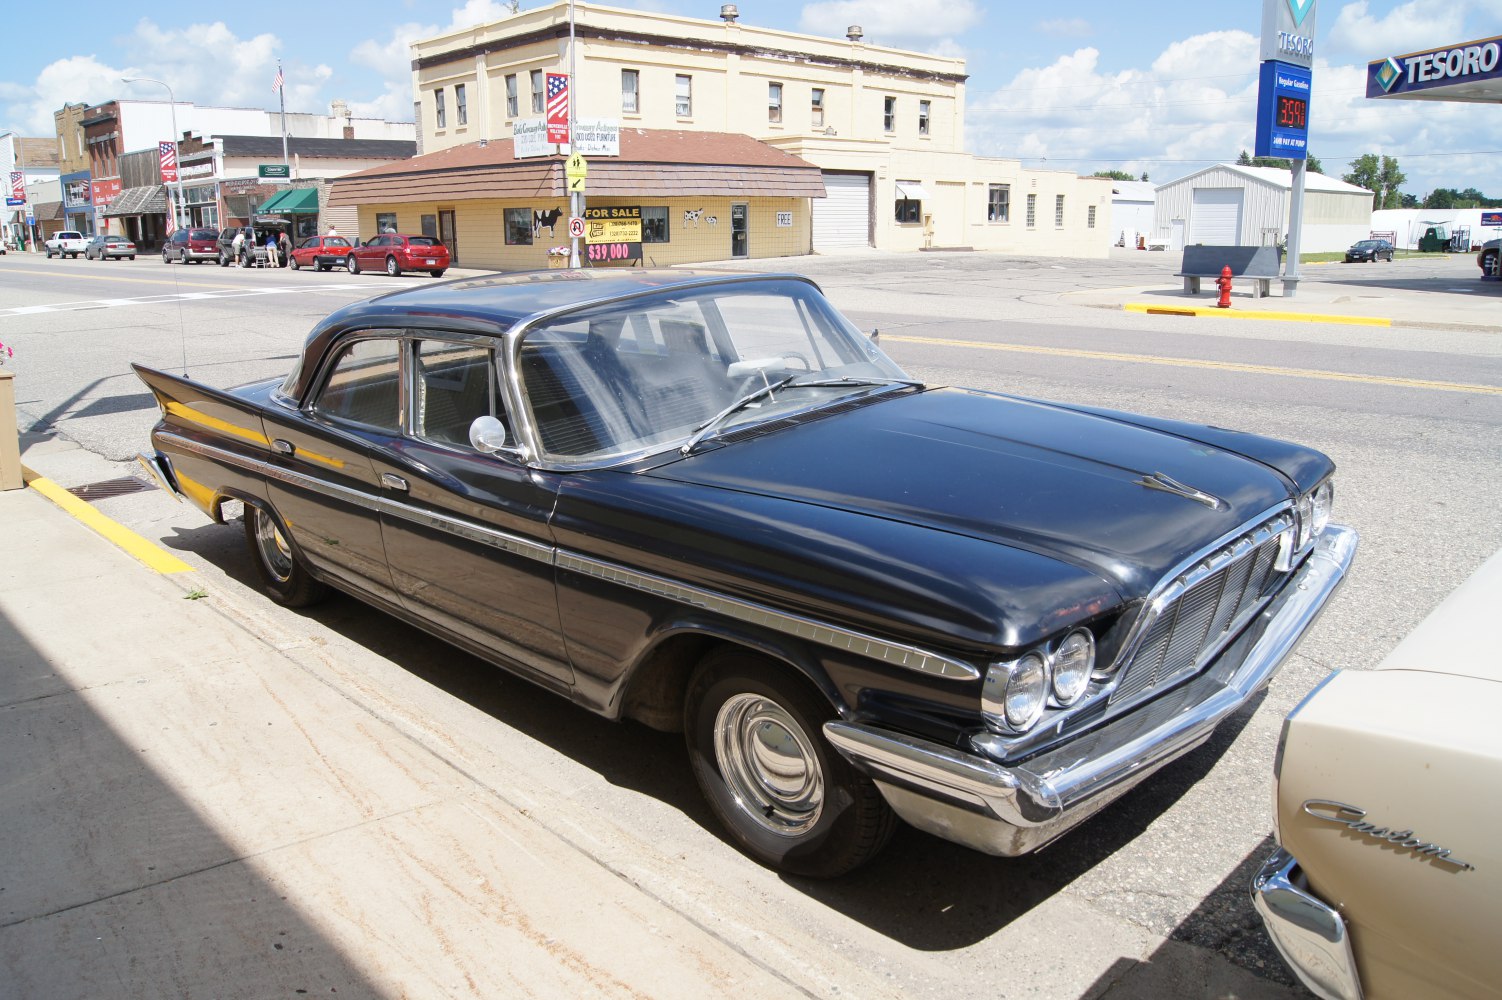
(1283, 111)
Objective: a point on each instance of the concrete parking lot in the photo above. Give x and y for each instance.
(209, 795)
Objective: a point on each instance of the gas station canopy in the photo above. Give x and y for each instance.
(1468, 71)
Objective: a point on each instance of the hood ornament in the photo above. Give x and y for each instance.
(1167, 484)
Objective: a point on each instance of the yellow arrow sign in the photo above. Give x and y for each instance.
(576, 183)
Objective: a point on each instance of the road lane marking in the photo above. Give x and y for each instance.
(157, 300)
(175, 283)
(1268, 314)
(1229, 366)
(153, 555)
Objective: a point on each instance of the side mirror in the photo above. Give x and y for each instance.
(487, 435)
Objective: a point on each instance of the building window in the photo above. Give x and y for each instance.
(519, 227)
(440, 113)
(654, 225)
(923, 109)
(816, 113)
(1058, 211)
(512, 108)
(630, 89)
(999, 203)
(908, 209)
(1032, 211)
(1090, 217)
(889, 114)
(684, 89)
(774, 103)
(538, 101)
(385, 222)
(461, 107)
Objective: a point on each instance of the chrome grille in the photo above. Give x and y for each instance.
(1202, 609)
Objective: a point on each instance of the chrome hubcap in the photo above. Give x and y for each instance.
(769, 765)
(276, 556)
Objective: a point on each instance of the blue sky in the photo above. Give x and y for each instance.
(1164, 87)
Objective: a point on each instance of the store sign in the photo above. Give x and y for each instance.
(592, 137)
(1283, 112)
(1288, 31)
(75, 193)
(1491, 219)
(106, 191)
(1469, 62)
(529, 137)
(612, 234)
(196, 170)
(279, 171)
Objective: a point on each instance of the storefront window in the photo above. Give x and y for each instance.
(518, 227)
(654, 225)
(430, 225)
(385, 222)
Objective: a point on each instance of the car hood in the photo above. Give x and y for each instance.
(1449, 640)
(1023, 473)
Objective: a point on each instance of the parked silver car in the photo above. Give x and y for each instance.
(108, 248)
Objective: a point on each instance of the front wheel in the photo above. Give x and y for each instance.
(283, 576)
(351, 265)
(787, 798)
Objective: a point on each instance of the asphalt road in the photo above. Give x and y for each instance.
(1149, 898)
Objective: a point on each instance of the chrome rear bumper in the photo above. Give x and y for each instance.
(977, 801)
(1310, 935)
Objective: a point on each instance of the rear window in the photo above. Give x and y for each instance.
(68, 234)
(203, 234)
(421, 241)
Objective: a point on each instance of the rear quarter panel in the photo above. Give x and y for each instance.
(1418, 752)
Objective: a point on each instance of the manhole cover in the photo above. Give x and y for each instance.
(123, 486)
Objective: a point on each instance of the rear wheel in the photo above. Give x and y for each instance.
(788, 798)
(283, 576)
(292, 263)
(352, 265)
(437, 273)
(391, 269)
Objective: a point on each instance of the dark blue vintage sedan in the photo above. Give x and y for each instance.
(708, 503)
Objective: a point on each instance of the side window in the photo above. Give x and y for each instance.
(365, 385)
(518, 227)
(385, 222)
(455, 384)
(654, 224)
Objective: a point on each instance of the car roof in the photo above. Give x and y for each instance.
(493, 303)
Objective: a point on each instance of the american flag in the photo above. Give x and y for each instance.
(276, 82)
(557, 107)
(167, 154)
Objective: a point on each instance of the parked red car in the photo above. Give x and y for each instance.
(395, 253)
(320, 253)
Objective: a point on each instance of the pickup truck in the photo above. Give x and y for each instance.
(66, 244)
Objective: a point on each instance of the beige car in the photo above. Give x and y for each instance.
(1388, 881)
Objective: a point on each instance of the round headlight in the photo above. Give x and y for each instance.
(1072, 665)
(1324, 501)
(1026, 691)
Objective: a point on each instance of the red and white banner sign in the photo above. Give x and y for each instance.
(557, 107)
(167, 153)
(17, 186)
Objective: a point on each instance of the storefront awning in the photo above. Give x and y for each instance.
(148, 200)
(291, 201)
(910, 191)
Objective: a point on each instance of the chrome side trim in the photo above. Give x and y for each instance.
(895, 653)
(1310, 934)
(970, 797)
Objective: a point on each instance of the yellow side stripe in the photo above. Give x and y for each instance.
(153, 555)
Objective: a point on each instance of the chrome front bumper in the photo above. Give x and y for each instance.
(977, 801)
(1310, 935)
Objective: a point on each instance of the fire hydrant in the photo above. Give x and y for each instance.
(1224, 284)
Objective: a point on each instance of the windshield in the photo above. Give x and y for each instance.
(653, 373)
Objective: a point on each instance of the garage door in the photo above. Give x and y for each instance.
(843, 217)
(1215, 218)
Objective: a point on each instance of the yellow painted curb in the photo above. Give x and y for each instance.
(154, 556)
(1157, 310)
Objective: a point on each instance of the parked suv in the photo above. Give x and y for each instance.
(191, 246)
(253, 248)
(66, 243)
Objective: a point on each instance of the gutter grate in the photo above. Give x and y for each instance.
(124, 486)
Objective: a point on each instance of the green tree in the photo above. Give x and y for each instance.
(1144, 175)
(1388, 179)
(1244, 160)
(1311, 163)
(1365, 171)
(1115, 175)
(1406, 200)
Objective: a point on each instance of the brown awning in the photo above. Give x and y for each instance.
(148, 200)
(653, 163)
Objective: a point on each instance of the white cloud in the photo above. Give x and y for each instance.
(899, 23)
(392, 57)
(1417, 25)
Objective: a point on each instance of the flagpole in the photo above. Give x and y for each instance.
(281, 89)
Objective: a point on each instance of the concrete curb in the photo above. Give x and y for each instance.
(152, 555)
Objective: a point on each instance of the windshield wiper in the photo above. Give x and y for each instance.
(708, 427)
(855, 380)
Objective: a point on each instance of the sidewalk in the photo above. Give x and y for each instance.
(1327, 293)
(191, 811)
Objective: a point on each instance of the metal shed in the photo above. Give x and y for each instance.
(1229, 204)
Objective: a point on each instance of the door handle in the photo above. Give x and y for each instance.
(393, 482)
(283, 447)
